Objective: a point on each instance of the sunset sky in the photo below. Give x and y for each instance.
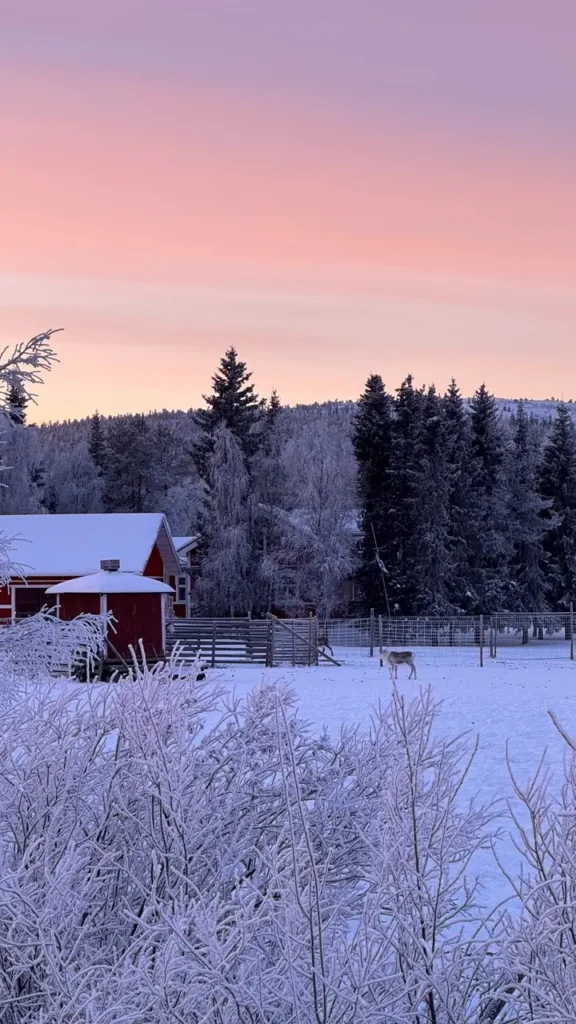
(336, 187)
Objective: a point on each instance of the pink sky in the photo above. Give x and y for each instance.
(337, 188)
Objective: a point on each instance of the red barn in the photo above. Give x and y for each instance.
(138, 604)
(50, 549)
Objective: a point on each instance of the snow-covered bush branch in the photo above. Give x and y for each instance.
(541, 949)
(43, 643)
(24, 364)
(170, 856)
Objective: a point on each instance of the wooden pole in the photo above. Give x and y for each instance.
(213, 643)
(272, 638)
(481, 641)
(380, 634)
(310, 617)
(371, 632)
(571, 631)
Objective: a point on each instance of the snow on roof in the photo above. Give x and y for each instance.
(184, 542)
(111, 583)
(74, 545)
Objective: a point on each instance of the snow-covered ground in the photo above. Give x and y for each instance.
(504, 701)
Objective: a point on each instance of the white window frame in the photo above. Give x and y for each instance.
(182, 579)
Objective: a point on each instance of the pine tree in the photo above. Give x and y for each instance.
(16, 402)
(558, 488)
(526, 578)
(234, 405)
(372, 445)
(97, 443)
(489, 548)
(404, 502)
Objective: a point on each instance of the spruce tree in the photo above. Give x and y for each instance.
(404, 496)
(273, 409)
(430, 558)
(456, 449)
(558, 488)
(529, 525)
(97, 443)
(372, 444)
(233, 404)
(488, 545)
(129, 471)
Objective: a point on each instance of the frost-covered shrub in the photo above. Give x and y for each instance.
(169, 855)
(43, 644)
(541, 948)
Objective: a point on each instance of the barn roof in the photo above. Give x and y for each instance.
(111, 583)
(185, 542)
(74, 545)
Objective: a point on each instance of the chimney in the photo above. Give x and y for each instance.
(110, 565)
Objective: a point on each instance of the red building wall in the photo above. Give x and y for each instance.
(138, 616)
(154, 565)
(72, 605)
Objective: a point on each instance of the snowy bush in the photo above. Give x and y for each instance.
(43, 644)
(167, 855)
(541, 948)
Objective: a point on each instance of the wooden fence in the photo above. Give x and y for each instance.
(269, 641)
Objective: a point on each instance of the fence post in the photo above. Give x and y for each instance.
(270, 644)
(481, 641)
(379, 634)
(213, 643)
(371, 632)
(310, 617)
(571, 631)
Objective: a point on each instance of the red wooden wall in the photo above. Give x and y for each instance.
(72, 605)
(139, 616)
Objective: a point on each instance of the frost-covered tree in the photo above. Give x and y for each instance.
(21, 470)
(321, 532)
(182, 505)
(22, 367)
(558, 488)
(270, 485)
(372, 446)
(226, 583)
(74, 482)
(528, 525)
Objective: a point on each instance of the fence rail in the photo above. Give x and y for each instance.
(451, 640)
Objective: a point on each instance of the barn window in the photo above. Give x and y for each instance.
(181, 590)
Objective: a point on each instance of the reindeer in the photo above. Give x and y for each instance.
(395, 658)
(323, 643)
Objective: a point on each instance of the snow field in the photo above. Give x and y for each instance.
(504, 704)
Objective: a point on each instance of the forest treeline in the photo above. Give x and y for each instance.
(434, 505)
